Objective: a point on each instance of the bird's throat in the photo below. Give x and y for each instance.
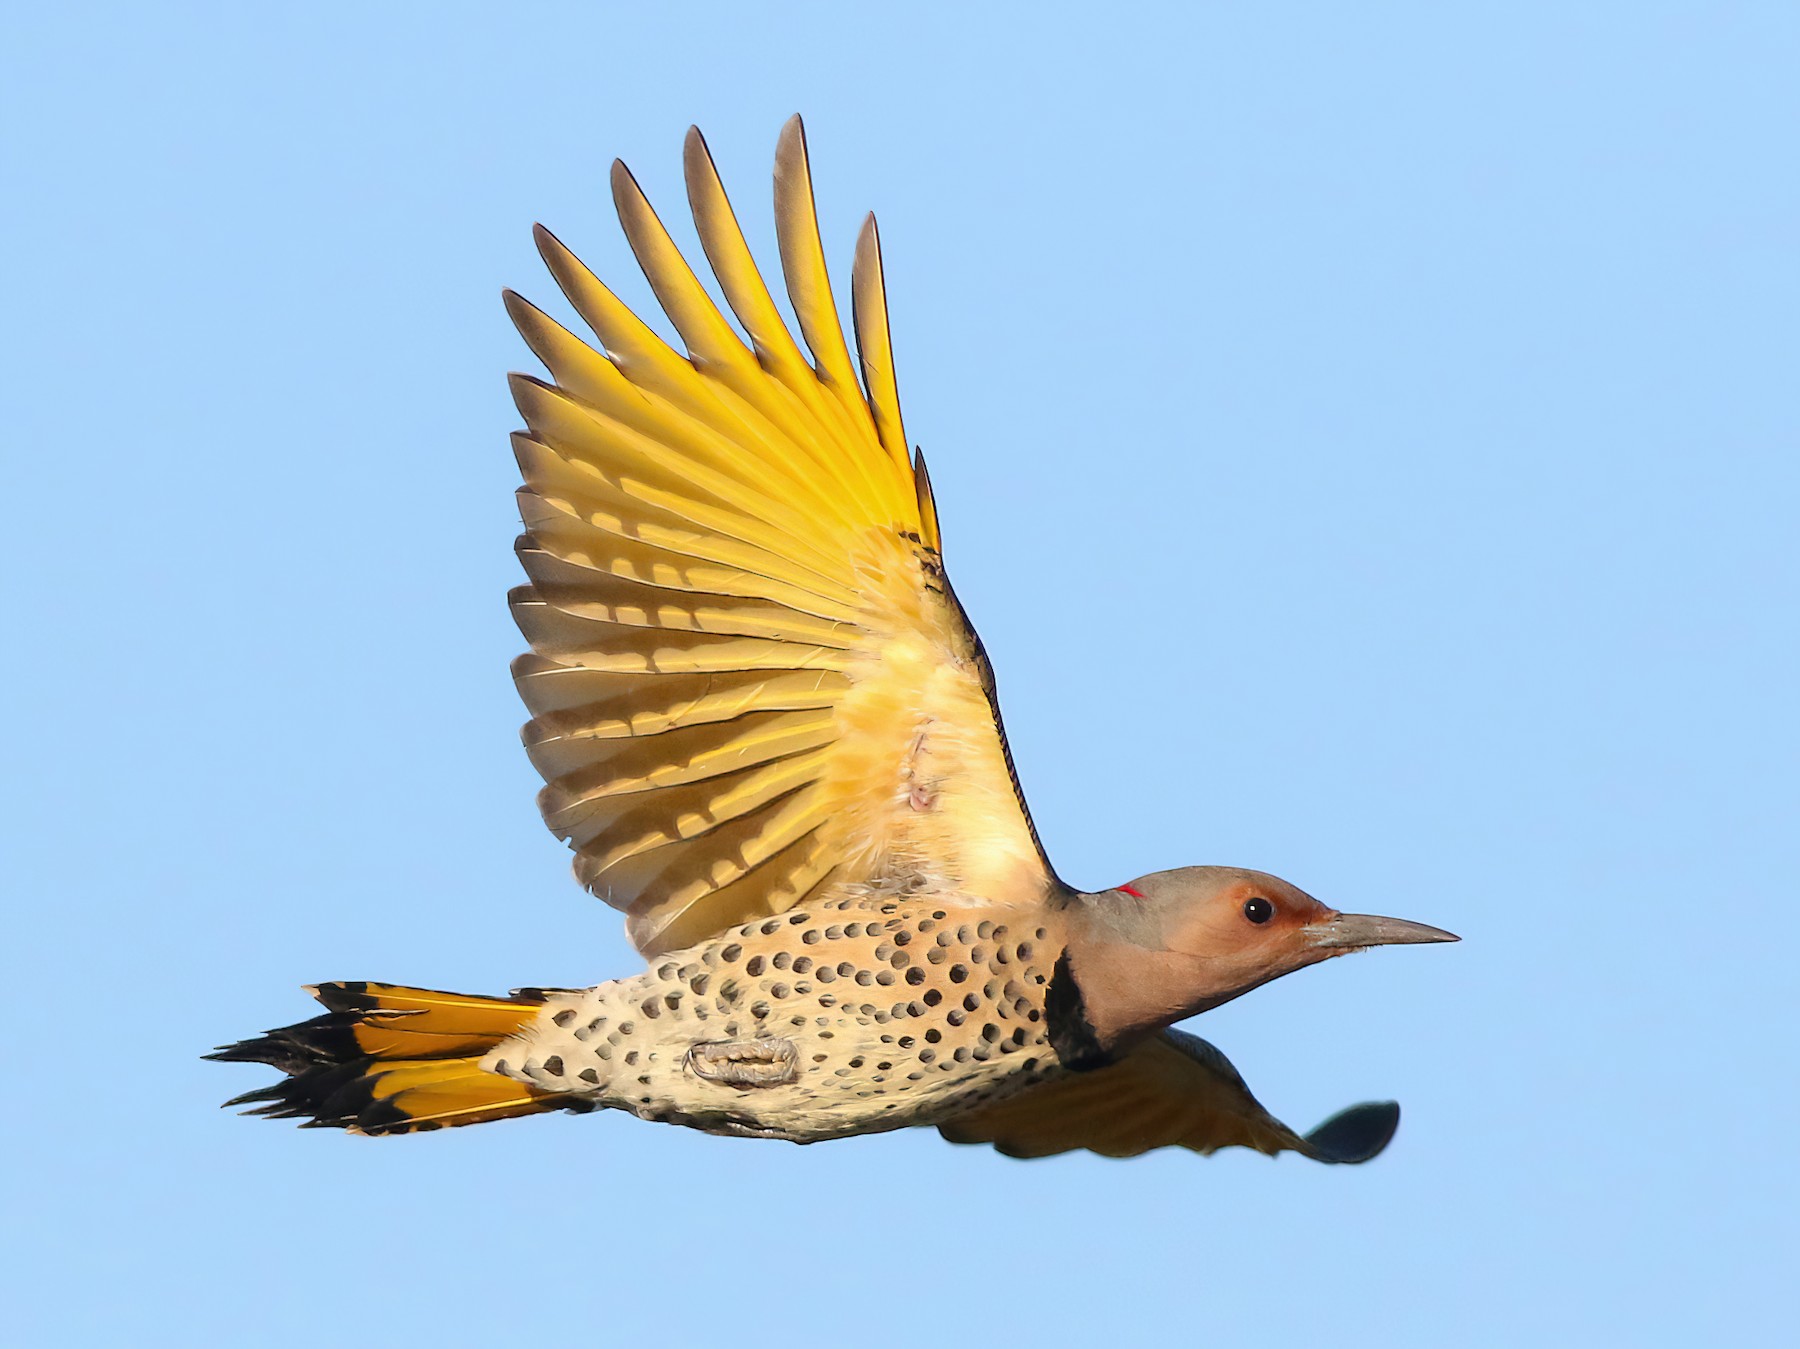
(1106, 997)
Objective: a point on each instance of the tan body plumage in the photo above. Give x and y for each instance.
(843, 1018)
(770, 734)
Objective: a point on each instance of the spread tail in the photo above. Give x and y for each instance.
(390, 1060)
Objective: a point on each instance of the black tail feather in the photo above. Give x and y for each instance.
(335, 1061)
(330, 1038)
(324, 1092)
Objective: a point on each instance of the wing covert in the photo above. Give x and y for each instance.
(749, 680)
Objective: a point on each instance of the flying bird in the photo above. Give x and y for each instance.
(770, 734)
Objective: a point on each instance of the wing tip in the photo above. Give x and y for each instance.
(697, 166)
(792, 160)
(551, 249)
(928, 516)
(523, 313)
(1355, 1135)
(625, 187)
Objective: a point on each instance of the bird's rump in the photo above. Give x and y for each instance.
(749, 681)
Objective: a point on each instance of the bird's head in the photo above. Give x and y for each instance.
(1174, 943)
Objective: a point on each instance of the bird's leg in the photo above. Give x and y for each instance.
(767, 1062)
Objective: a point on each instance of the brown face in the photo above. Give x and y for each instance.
(1245, 915)
(1175, 943)
(1239, 928)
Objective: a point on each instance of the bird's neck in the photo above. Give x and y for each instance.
(1115, 985)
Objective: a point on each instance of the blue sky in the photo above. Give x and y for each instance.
(1364, 435)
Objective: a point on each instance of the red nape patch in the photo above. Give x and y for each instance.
(1131, 890)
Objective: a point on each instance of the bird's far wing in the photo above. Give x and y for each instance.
(749, 680)
(1175, 1090)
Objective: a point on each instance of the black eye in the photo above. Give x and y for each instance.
(1258, 910)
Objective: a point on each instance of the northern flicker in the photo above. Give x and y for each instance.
(771, 736)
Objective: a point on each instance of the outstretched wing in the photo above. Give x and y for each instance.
(1175, 1090)
(749, 680)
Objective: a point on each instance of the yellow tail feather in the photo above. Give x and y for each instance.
(386, 1059)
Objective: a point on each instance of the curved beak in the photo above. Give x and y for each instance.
(1353, 931)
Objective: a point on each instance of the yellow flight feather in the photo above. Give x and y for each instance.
(874, 345)
(750, 300)
(803, 264)
(748, 681)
